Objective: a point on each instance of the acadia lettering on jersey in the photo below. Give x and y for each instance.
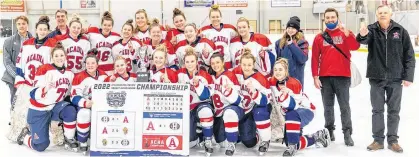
(75, 49)
(218, 87)
(35, 57)
(62, 81)
(127, 52)
(220, 39)
(244, 88)
(104, 44)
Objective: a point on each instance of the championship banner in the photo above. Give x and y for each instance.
(198, 3)
(285, 3)
(140, 119)
(232, 3)
(12, 6)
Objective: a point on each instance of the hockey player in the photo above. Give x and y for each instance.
(225, 99)
(121, 74)
(258, 43)
(200, 109)
(76, 45)
(103, 39)
(150, 46)
(142, 27)
(127, 47)
(34, 53)
(299, 111)
(160, 72)
(255, 93)
(176, 35)
(203, 46)
(81, 96)
(220, 33)
(52, 85)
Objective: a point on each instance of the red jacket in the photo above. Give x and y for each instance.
(328, 61)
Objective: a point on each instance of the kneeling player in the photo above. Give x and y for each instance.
(200, 110)
(52, 84)
(255, 92)
(121, 74)
(299, 111)
(226, 99)
(82, 98)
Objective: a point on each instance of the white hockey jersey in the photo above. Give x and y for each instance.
(44, 100)
(261, 95)
(132, 77)
(104, 46)
(158, 75)
(200, 93)
(199, 45)
(292, 100)
(144, 36)
(129, 51)
(221, 38)
(257, 43)
(175, 33)
(30, 58)
(76, 50)
(222, 98)
(82, 86)
(148, 50)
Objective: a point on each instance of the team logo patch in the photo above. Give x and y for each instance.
(125, 142)
(396, 35)
(35, 136)
(105, 119)
(116, 99)
(174, 126)
(125, 130)
(104, 142)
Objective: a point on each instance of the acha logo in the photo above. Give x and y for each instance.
(116, 99)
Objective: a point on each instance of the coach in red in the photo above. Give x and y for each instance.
(330, 65)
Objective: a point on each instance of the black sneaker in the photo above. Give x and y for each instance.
(348, 139)
(332, 135)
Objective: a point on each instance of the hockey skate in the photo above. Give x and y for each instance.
(231, 147)
(84, 148)
(322, 137)
(263, 147)
(291, 150)
(70, 144)
(25, 131)
(209, 149)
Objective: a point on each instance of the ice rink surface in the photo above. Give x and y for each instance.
(361, 120)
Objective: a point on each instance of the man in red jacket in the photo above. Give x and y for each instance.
(332, 74)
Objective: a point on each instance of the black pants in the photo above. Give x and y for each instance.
(385, 92)
(336, 86)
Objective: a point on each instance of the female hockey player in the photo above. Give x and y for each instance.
(34, 53)
(203, 46)
(255, 93)
(127, 47)
(225, 99)
(200, 109)
(299, 111)
(121, 74)
(160, 72)
(142, 27)
(259, 44)
(81, 96)
(150, 46)
(219, 33)
(175, 35)
(52, 85)
(293, 47)
(103, 39)
(76, 45)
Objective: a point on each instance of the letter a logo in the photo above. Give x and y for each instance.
(125, 120)
(104, 131)
(150, 126)
(172, 143)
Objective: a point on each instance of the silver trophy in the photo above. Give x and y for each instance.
(142, 64)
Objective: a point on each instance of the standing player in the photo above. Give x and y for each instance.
(52, 85)
(127, 47)
(81, 96)
(226, 99)
(76, 45)
(200, 109)
(103, 39)
(259, 44)
(203, 46)
(299, 111)
(145, 56)
(219, 33)
(142, 27)
(255, 92)
(34, 53)
(160, 72)
(121, 74)
(175, 35)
